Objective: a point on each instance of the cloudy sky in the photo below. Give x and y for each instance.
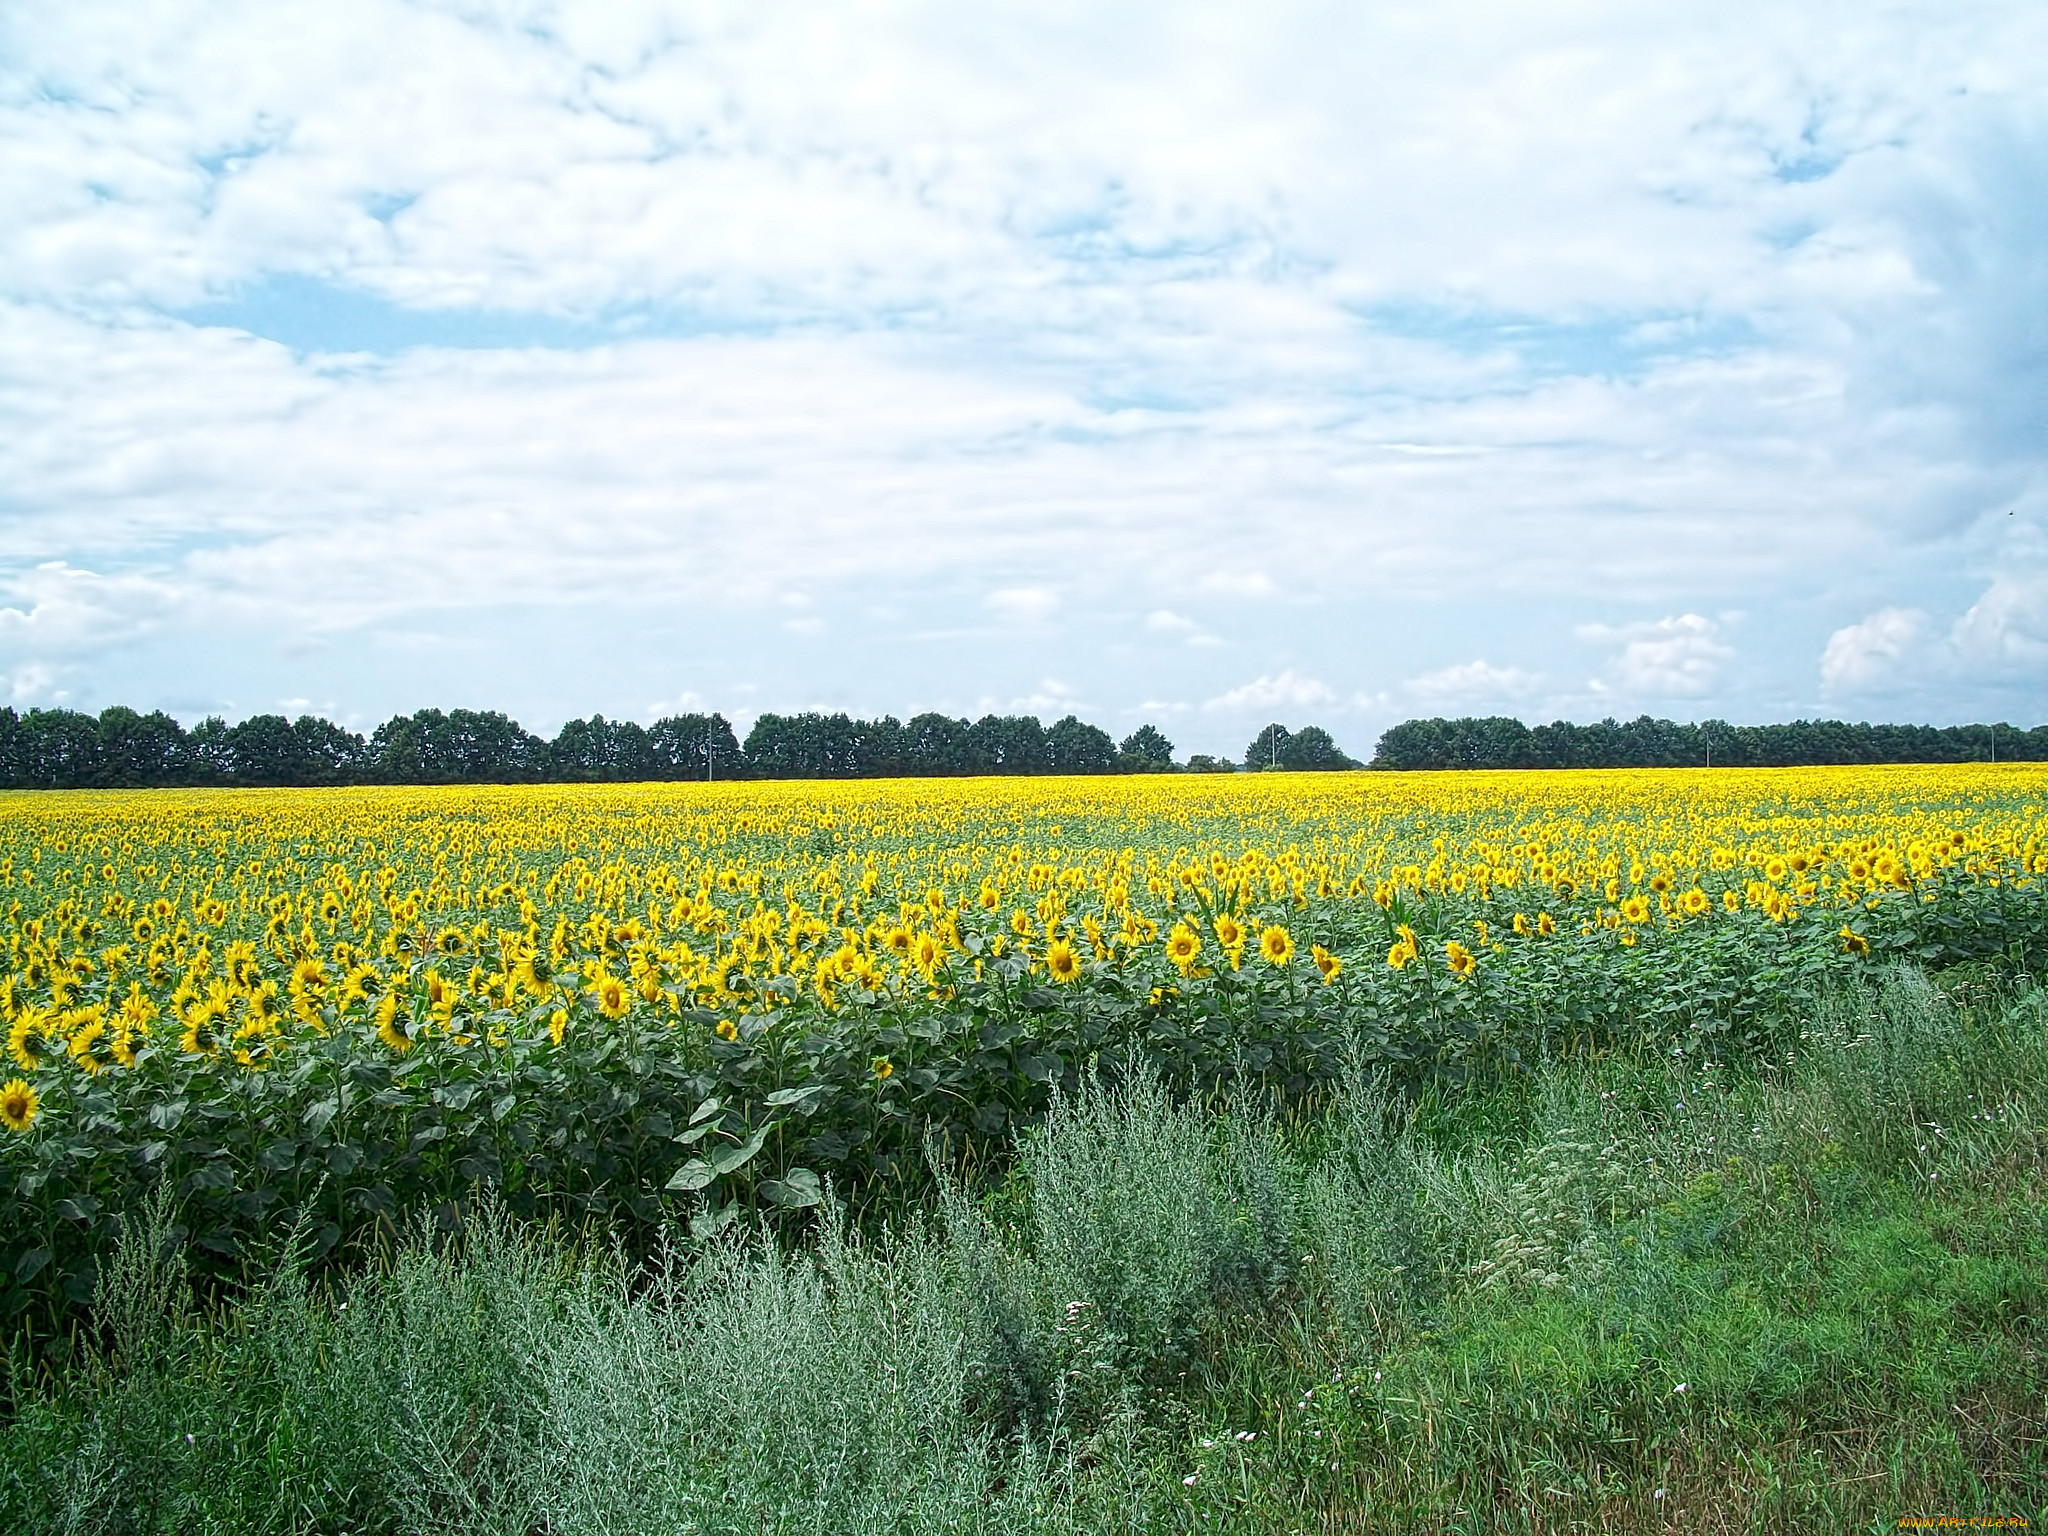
(1207, 365)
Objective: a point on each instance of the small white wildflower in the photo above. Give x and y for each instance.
(1247, 1434)
(1188, 1481)
(1682, 1387)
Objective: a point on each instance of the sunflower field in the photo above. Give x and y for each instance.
(338, 1012)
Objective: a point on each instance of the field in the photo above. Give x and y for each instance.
(1188, 1086)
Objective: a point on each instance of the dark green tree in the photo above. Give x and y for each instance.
(1267, 748)
(1076, 747)
(1145, 750)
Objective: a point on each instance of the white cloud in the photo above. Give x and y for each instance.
(1163, 621)
(1472, 680)
(1096, 305)
(1870, 653)
(1031, 607)
(1237, 584)
(2007, 627)
(1676, 657)
(1283, 689)
(1050, 697)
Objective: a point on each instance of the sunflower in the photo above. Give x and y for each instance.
(240, 964)
(727, 1030)
(1460, 959)
(1228, 933)
(1400, 954)
(1276, 945)
(1328, 964)
(19, 1105)
(86, 1029)
(27, 1038)
(1694, 903)
(1183, 946)
(389, 1029)
(926, 952)
(1020, 923)
(1854, 943)
(883, 1067)
(614, 997)
(1062, 961)
(1521, 925)
(558, 1025)
(1635, 910)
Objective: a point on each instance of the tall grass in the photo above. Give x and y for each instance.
(1628, 1294)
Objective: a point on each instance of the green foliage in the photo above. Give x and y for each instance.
(1627, 1294)
(1501, 742)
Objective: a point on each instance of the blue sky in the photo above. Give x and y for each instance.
(1205, 365)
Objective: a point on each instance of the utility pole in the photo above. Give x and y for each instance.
(707, 749)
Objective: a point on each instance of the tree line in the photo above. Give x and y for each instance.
(1500, 742)
(122, 748)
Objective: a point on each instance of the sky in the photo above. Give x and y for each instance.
(1196, 364)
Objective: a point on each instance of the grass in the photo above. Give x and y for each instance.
(1633, 1294)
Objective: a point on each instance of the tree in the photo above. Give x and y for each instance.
(1145, 750)
(137, 749)
(938, 744)
(1202, 762)
(1266, 748)
(1075, 747)
(695, 747)
(1010, 744)
(1311, 748)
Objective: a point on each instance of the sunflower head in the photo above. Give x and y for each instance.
(1327, 964)
(614, 997)
(19, 1105)
(1228, 933)
(1459, 959)
(1276, 945)
(390, 1029)
(1062, 961)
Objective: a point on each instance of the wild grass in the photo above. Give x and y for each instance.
(1632, 1294)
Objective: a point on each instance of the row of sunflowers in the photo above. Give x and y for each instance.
(629, 1002)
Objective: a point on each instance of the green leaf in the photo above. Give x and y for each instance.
(320, 1114)
(704, 1111)
(797, 1188)
(801, 1097)
(731, 1158)
(693, 1175)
